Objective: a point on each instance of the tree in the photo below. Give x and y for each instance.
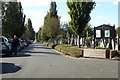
(66, 31)
(53, 11)
(80, 16)
(118, 31)
(29, 32)
(51, 25)
(89, 30)
(39, 34)
(13, 19)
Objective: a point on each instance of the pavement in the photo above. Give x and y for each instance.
(39, 61)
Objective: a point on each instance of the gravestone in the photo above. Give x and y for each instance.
(102, 44)
(117, 47)
(113, 46)
(107, 45)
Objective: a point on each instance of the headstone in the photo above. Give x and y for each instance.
(107, 45)
(113, 44)
(75, 42)
(117, 45)
(78, 40)
(61, 42)
(102, 44)
(81, 41)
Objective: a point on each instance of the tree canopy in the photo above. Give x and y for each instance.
(29, 31)
(118, 31)
(80, 15)
(13, 19)
(51, 25)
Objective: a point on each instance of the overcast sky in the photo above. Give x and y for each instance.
(106, 11)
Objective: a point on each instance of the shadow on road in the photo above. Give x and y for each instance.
(35, 52)
(42, 47)
(18, 55)
(8, 68)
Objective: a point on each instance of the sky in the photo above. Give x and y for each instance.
(105, 12)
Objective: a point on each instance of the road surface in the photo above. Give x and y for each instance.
(38, 61)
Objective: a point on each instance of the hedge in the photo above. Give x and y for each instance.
(52, 45)
(67, 50)
(46, 43)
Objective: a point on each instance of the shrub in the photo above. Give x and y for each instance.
(46, 43)
(52, 45)
(59, 47)
(98, 47)
(67, 50)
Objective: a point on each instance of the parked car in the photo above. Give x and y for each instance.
(30, 41)
(4, 46)
(21, 43)
(26, 40)
(25, 43)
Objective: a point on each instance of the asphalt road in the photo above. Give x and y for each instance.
(38, 61)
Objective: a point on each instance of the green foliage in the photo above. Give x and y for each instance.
(13, 19)
(29, 32)
(80, 15)
(89, 30)
(62, 34)
(118, 31)
(39, 34)
(51, 26)
(98, 47)
(52, 45)
(59, 47)
(46, 43)
(67, 50)
(66, 31)
(53, 11)
(89, 38)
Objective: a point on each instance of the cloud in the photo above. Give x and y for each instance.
(37, 17)
(98, 5)
(101, 17)
(35, 3)
(64, 19)
(116, 2)
(95, 24)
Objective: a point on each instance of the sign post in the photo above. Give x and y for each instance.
(105, 32)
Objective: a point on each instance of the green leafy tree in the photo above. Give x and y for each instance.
(66, 31)
(53, 11)
(80, 15)
(13, 19)
(118, 31)
(29, 32)
(51, 25)
(88, 29)
(39, 34)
